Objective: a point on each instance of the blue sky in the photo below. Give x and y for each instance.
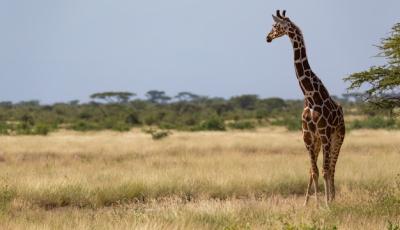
(63, 50)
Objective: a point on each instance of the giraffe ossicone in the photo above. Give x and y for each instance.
(322, 118)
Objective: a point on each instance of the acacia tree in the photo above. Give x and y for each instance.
(246, 101)
(382, 82)
(156, 96)
(187, 96)
(113, 97)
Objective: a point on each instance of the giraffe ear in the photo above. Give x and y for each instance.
(276, 19)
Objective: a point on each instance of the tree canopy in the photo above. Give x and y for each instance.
(382, 82)
(187, 96)
(113, 97)
(156, 96)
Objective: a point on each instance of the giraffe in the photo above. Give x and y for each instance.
(322, 117)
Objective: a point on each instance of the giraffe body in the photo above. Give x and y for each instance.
(322, 118)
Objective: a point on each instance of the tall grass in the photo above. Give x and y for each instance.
(214, 180)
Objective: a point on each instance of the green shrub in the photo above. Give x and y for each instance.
(261, 113)
(41, 129)
(214, 123)
(26, 129)
(132, 119)
(160, 134)
(84, 126)
(157, 134)
(164, 125)
(23, 129)
(85, 115)
(120, 126)
(241, 125)
(27, 119)
(375, 122)
(4, 128)
(291, 123)
(114, 124)
(149, 120)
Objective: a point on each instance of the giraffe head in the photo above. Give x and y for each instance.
(281, 26)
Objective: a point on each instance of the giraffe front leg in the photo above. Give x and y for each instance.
(315, 176)
(313, 146)
(327, 185)
(310, 182)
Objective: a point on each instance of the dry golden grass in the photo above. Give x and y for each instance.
(214, 180)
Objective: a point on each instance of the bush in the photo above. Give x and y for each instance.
(26, 129)
(120, 126)
(291, 123)
(157, 134)
(149, 119)
(84, 126)
(27, 119)
(41, 129)
(4, 128)
(261, 114)
(160, 134)
(214, 123)
(373, 123)
(241, 125)
(23, 129)
(132, 119)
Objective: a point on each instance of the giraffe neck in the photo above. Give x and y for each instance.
(301, 63)
(313, 89)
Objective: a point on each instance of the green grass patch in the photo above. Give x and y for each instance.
(59, 196)
(7, 194)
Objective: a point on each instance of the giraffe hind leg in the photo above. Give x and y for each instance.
(310, 182)
(337, 142)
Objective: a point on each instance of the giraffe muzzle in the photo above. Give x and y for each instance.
(269, 39)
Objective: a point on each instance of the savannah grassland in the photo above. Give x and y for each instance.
(193, 180)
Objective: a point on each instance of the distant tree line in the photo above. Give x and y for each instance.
(122, 111)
